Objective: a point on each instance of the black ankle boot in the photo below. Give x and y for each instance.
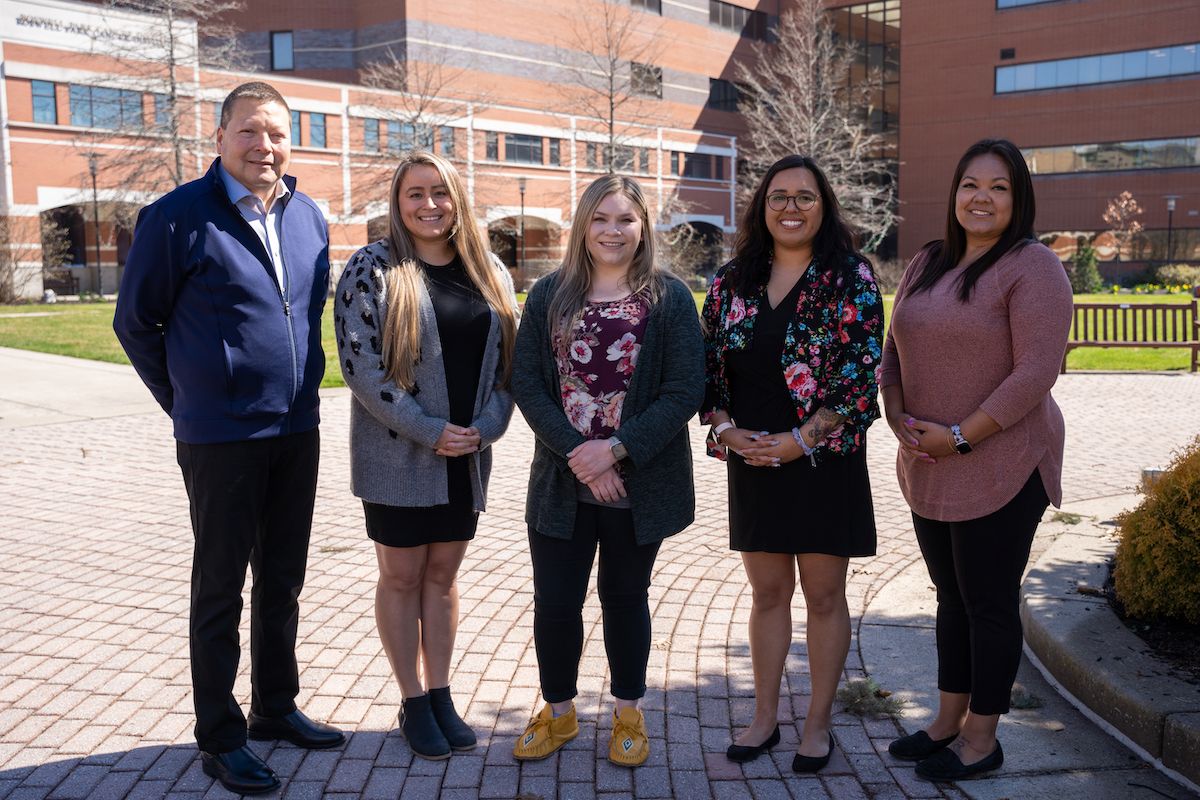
(418, 725)
(457, 733)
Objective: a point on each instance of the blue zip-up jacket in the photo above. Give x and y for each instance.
(225, 350)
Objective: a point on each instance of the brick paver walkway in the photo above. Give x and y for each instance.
(94, 685)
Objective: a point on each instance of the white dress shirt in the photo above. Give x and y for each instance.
(266, 223)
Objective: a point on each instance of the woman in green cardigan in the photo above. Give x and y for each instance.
(608, 369)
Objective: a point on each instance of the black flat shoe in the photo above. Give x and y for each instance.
(240, 771)
(742, 753)
(457, 733)
(813, 763)
(918, 746)
(945, 766)
(295, 728)
(420, 728)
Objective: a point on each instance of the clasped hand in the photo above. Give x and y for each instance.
(457, 441)
(761, 448)
(595, 466)
(924, 440)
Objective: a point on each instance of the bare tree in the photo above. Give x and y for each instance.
(611, 56)
(159, 51)
(19, 256)
(1122, 214)
(799, 95)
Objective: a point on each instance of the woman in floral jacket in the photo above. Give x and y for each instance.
(794, 327)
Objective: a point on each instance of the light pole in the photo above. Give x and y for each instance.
(93, 168)
(1171, 198)
(521, 189)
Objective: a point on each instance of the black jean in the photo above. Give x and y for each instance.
(251, 504)
(561, 568)
(976, 566)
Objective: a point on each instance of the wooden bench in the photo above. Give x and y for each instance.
(1137, 325)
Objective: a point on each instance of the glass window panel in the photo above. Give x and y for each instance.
(162, 111)
(1067, 73)
(296, 128)
(81, 105)
(370, 134)
(1110, 67)
(492, 146)
(1006, 79)
(1158, 63)
(1023, 79)
(1133, 65)
(316, 130)
(1183, 59)
(446, 141)
(1089, 69)
(281, 50)
(131, 110)
(44, 107)
(1044, 75)
(106, 108)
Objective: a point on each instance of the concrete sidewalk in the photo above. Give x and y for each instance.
(94, 685)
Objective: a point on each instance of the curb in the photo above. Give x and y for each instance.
(1103, 665)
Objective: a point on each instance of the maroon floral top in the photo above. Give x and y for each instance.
(595, 365)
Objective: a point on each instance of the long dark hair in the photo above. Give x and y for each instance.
(835, 239)
(945, 254)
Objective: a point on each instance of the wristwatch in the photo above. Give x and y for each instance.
(960, 442)
(618, 449)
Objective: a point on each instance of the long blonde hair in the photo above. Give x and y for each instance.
(402, 326)
(575, 275)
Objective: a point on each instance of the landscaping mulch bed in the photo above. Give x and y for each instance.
(1175, 642)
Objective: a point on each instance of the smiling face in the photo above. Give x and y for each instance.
(426, 208)
(793, 227)
(255, 145)
(614, 232)
(983, 202)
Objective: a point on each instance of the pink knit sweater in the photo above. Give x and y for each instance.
(999, 352)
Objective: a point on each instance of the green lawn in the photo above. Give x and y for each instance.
(84, 330)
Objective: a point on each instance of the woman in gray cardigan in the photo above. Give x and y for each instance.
(609, 367)
(426, 322)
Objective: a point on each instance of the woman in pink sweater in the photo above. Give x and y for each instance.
(977, 336)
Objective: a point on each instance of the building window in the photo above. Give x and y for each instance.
(644, 160)
(296, 128)
(653, 6)
(525, 149)
(45, 109)
(162, 110)
(1113, 156)
(217, 107)
(371, 135)
(101, 107)
(281, 51)
(645, 79)
(742, 21)
(698, 165)
(446, 141)
(1015, 3)
(674, 163)
(722, 95)
(316, 130)
(1134, 65)
(555, 154)
(407, 136)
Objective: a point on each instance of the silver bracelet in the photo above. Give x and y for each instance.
(808, 451)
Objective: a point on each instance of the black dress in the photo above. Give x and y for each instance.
(793, 508)
(463, 320)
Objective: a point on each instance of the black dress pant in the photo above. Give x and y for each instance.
(976, 566)
(251, 504)
(561, 568)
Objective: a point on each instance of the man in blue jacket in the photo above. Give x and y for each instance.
(220, 312)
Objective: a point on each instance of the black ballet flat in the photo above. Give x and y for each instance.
(918, 746)
(741, 753)
(805, 764)
(945, 766)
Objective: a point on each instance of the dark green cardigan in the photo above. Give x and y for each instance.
(665, 390)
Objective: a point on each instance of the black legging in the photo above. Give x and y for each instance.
(561, 568)
(976, 566)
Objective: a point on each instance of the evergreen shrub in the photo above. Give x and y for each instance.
(1157, 570)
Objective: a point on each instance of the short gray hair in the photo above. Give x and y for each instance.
(254, 90)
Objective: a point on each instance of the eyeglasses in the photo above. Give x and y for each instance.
(803, 200)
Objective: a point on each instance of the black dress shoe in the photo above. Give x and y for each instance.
(240, 771)
(742, 753)
(918, 746)
(945, 766)
(295, 728)
(812, 763)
